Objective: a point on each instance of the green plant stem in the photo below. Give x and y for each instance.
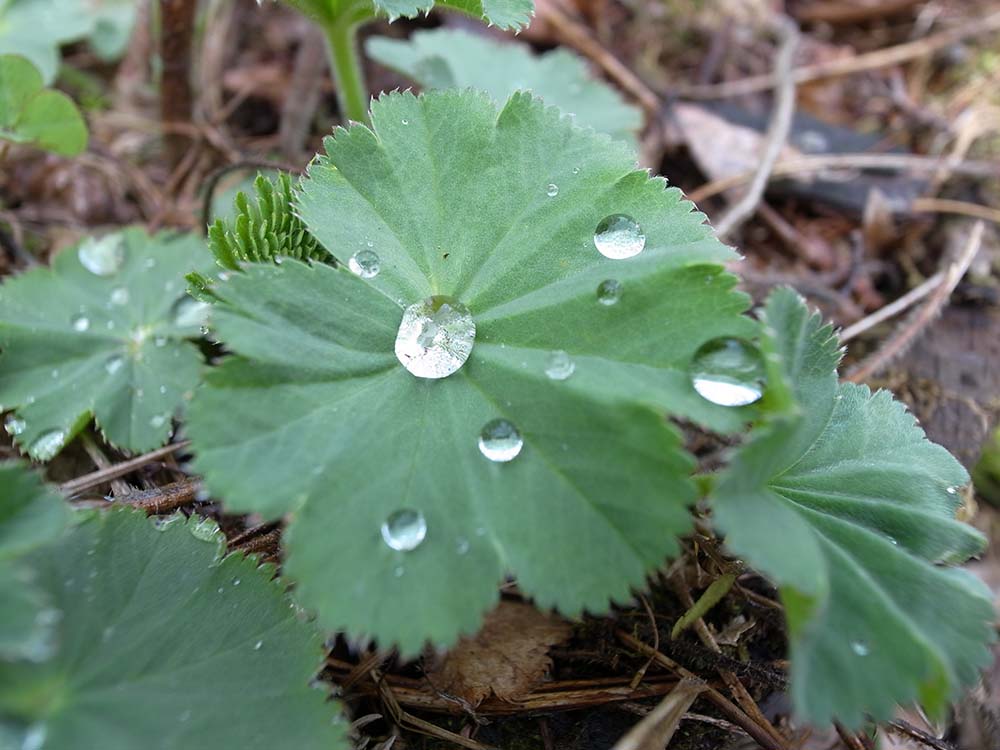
(352, 92)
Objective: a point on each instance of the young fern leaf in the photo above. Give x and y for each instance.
(102, 332)
(851, 510)
(545, 454)
(31, 515)
(265, 227)
(453, 58)
(161, 638)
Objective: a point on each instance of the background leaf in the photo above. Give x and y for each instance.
(111, 344)
(36, 28)
(33, 115)
(30, 515)
(162, 644)
(863, 505)
(506, 14)
(453, 58)
(454, 198)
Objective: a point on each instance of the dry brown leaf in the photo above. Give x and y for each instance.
(506, 658)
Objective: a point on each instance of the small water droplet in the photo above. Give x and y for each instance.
(205, 529)
(435, 337)
(236, 581)
(34, 737)
(149, 263)
(404, 530)
(102, 256)
(365, 263)
(47, 445)
(728, 371)
(500, 441)
(405, 121)
(952, 490)
(189, 312)
(552, 190)
(158, 420)
(576, 170)
(14, 425)
(80, 323)
(257, 645)
(860, 648)
(619, 236)
(559, 365)
(160, 341)
(55, 374)
(114, 364)
(162, 523)
(398, 571)
(609, 292)
(119, 296)
(462, 545)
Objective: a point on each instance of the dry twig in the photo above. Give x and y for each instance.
(97, 478)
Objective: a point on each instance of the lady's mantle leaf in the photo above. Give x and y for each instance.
(162, 644)
(317, 417)
(506, 14)
(452, 58)
(848, 507)
(101, 332)
(32, 114)
(30, 515)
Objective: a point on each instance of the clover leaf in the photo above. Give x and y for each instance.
(102, 332)
(163, 642)
(32, 114)
(453, 58)
(851, 510)
(545, 454)
(30, 516)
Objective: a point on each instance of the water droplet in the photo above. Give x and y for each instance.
(398, 571)
(609, 292)
(619, 236)
(728, 371)
(236, 581)
(80, 323)
(576, 170)
(435, 337)
(500, 441)
(559, 365)
(257, 645)
(462, 545)
(205, 529)
(114, 364)
(365, 263)
(158, 420)
(162, 523)
(47, 445)
(952, 490)
(34, 737)
(404, 530)
(149, 263)
(552, 190)
(160, 342)
(119, 296)
(102, 256)
(55, 374)
(14, 425)
(405, 121)
(189, 312)
(860, 648)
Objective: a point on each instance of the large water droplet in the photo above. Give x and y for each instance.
(189, 312)
(728, 371)
(365, 263)
(80, 323)
(609, 292)
(47, 445)
(860, 648)
(435, 337)
(102, 256)
(404, 530)
(500, 441)
(14, 425)
(559, 365)
(619, 236)
(119, 296)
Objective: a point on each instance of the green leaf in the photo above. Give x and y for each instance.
(265, 227)
(30, 515)
(452, 58)
(506, 14)
(34, 115)
(164, 643)
(848, 507)
(318, 418)
(36, 28)
(110, 344)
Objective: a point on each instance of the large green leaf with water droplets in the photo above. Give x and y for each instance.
(506, 14)
(851, 510)
(453, 58)
(317, 418)
(164, 643)
(30, 515)
(110, 343)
